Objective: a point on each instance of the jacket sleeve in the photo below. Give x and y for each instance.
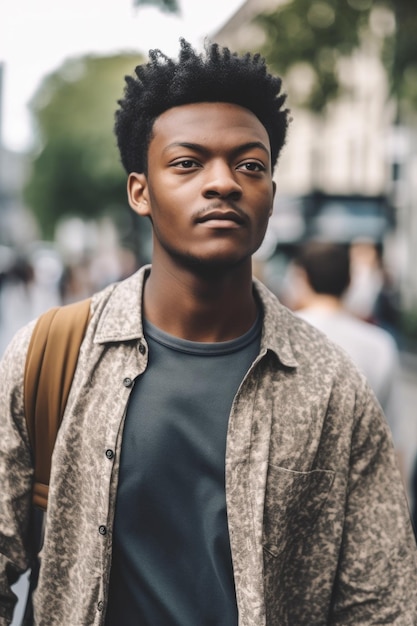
(377, 574)
(16, 473)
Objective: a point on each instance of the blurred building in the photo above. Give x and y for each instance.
(343, 152)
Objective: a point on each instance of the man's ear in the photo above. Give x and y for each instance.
(137, 193)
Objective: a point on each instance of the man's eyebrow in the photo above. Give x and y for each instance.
(196, 147)
(250, 145)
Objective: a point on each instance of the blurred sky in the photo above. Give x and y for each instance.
(37, 35)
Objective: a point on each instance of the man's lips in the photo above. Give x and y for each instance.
(219, 215)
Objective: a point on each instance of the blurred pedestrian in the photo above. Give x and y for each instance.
(324, 271)
(371, 294)
(23, 297)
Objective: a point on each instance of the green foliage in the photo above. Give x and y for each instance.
(170, 6)
(403, 65)
(316, 35)
(76, 169)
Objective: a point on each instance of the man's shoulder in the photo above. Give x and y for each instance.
(120, 289)
(116, 311)
(309, 346)
(16, 350)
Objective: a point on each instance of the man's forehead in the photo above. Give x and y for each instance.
(202, 119)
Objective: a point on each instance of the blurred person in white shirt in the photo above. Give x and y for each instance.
(322, 271)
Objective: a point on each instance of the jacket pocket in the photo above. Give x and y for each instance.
(293, 502)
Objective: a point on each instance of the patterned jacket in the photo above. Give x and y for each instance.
(318, 519)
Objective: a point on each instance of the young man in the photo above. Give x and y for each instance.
(219, 462)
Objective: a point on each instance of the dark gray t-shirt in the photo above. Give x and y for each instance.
(171, 552)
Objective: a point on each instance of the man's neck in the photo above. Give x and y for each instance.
(323, 302)
(200, 306)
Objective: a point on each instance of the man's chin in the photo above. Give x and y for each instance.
(213, 266)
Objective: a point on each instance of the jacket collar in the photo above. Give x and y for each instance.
(121, 318)
(277, 323)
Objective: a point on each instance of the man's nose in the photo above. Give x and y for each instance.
(221, 182)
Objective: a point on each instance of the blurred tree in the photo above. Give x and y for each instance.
(401, 58)
(171, 6)
(314, 36)
(76, 168)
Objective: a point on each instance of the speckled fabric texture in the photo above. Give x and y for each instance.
(319, 524)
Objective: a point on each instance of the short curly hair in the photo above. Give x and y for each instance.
(327, 266)
(216, 76)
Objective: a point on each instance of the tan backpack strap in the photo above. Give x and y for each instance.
(50, 365)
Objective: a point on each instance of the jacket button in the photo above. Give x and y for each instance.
(142, 348)
(100, 605)
(102, 530)
(109, 454)
(127, 382)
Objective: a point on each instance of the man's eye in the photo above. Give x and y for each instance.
(252, 166)
(186, 164)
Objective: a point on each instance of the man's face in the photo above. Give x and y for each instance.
(209, 189)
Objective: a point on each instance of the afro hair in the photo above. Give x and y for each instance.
(216, 75)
